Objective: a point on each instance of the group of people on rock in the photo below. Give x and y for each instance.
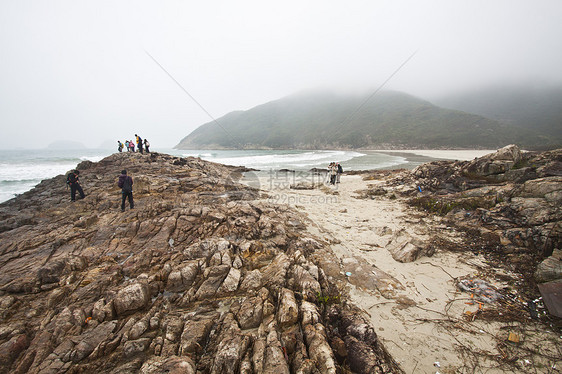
(130, 145)
(125, 182)
(335, 171)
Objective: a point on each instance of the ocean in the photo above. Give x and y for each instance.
(21, 170)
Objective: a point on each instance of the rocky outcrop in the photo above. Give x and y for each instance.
(199, 277)
(405, 248)
(509, 204)
(551, 268)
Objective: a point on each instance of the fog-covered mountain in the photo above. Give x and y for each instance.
(320, 120)
(526, 106)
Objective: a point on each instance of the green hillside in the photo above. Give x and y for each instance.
(535, 110)
(325, 120)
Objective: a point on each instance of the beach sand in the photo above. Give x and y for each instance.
(412, 306)
(445, 154)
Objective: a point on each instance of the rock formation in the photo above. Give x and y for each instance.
(508, 202)
(199, 277)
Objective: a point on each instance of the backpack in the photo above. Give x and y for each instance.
(70, 178)
(127, 185)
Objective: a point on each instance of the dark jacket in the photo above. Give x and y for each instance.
(122, 179)
(72, 178)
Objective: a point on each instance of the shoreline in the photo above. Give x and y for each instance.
(442, 154)
(416, 308)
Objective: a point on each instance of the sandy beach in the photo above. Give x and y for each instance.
(446, 154)
(416, 308)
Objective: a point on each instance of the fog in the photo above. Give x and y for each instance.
(81, 71)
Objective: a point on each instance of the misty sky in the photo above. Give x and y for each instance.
(78, 70)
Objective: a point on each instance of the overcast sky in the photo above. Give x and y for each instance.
(77, 70)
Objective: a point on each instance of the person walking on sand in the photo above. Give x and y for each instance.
(333, 171)
(146, 145)
(126, 184)
(339, 172)
(74, 183)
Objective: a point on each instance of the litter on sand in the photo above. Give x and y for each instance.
(479, 290)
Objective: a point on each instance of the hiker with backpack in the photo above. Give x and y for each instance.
(139, 143)
(72, 181)
(126, 184)
(119, 146)
(146, 145)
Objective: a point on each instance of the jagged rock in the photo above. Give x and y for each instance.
(288, 309)
(309, 312)
(361, 358)
(306, 283)
(274, 358)
(551, 268)
(319, 349)
(252, 281)
(172, 364)
(230, 283)
(131, 298)
(214, 278)
(232, 348)
(11, 349)
(133, 347)
(183, 278)
(405, 248)
(250, 314)
(138, 329)
(496, 163)
(87, 343)
(174, 329)
(195, 333)
(200, 277)
(542, 187)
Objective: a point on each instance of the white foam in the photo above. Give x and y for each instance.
(288, 160)
(91, 158)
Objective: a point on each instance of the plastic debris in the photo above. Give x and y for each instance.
(348, 273)
(479, 290)
(437, 363)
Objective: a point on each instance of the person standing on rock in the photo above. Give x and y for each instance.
(73, 182)
(146, 145)
(119, 146)
(139, 143)
(126, 184)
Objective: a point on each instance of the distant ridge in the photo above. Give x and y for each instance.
(532, 108)
(322, 120)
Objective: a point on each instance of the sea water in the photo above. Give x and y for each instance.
(267, 160)
(21, 170)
